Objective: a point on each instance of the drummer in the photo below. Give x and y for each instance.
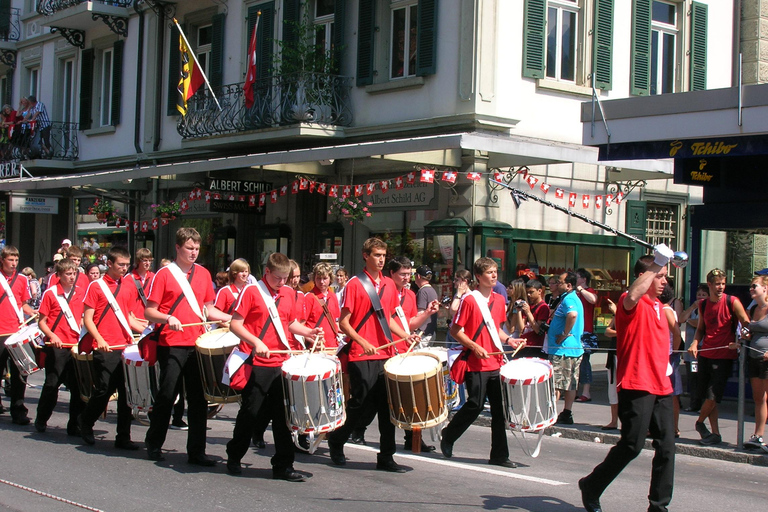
(61, 317)
(13, 306)
(321, 307)
(227, 296)
(142, 277)
(368, 332)
(75, 255)
(263, 394)
(482, 378)
(110, 330)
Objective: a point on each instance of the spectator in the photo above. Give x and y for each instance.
(7, 124)
(21, 134)
(588, 297)
(610, 366)
(42, 123)
(341, 281)
(536, 313)
(426, 298)
(65, 245)
(515, 322)
(34, 287)
(690, 318)
(93, 272)
(758, 359)
(220, 281)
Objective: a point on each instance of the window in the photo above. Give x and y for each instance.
(403, 36)
(105, 101)
(663, 47)
(68, 91)
(661, 224)
(324, 24)
(33, 82)
(4, 97)
(101, 82)
(562, 31)
(203, 48)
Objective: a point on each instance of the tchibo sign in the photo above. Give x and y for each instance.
(34, 204)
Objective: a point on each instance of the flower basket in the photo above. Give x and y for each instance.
(167, 209)
(104, 210)
(352, 209)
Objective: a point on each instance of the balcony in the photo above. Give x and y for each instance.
(26, 144)
(302, 98)
(10, 28)
(77, 16)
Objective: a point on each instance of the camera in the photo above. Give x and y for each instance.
(519, 303)
(544, 328)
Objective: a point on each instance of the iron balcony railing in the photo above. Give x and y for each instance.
(280, 100)
(10, 28)
(26, 142)
(48, 7)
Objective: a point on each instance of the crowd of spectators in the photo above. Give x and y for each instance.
(25, 133)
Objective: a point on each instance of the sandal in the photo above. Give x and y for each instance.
(583, 398)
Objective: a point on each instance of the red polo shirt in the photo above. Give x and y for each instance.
(50, 309)
(81, 280)
(357, 302)
(470, 318)
(252, 308)
(315, 316)
(407, 301)
(164, 291)
(9, 322)
(110, 327)
(226, 298)
(540, 315)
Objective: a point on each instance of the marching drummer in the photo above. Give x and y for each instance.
(13, 307)
(321, 307)
(264, 316)
(61, 316)
(75, 255)
(227, 296)
(370, 299)
(480, 316)
(108, 318)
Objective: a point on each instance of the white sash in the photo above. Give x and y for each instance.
(403, 320)
(272, 309)
(186, 289)
(493, 329)
(64, 305)
(11, 297)
(113, 302)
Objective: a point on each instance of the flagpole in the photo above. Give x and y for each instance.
(189, 47)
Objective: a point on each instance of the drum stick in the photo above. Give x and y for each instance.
(63, 345)
(411, 347)
(389, 344)
(294, 352)
(20, 326)
(199, 323)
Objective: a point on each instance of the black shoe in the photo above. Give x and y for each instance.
(40, 426)
(389, 465)
(155, 454)
(505, 463)
(591, 503)
(21, 420)
(201, 460)
(337, 455)
(259, 443)
(711, 440)
(303, 444)
(126, 444)
(179, 425)
(446, 448)
(73, 430)
(234, 468)
(702, 429)
(2, 409)
(287, 474)
(565, 418)
(86, 432)
(357, 438)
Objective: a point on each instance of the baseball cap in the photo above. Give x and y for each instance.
(763, 272)
(58, 257)
(424, 271)
(66, 241)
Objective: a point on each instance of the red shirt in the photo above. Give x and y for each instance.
(470, 318)
(81, 280)
(226, 298)
(313, 311)
(642, 347)
(110, 327)
(50, 309)
(540, 315)
(407, 301)
(357, 302)
(252, 308)
(145, 284)
(165, 290)
(9, 322)
(589, 311)
(719, 328)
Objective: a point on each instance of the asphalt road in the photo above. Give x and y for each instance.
(104, 478)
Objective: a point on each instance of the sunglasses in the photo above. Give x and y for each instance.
(754, 286)
(716, 272)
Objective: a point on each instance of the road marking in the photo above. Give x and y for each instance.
(463, 466)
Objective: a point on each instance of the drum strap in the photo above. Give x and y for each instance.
(8, 293)
(493, 330)
(272, 309)
(65, 311)
(140, 289)
(326, 315)
(376, 306)
(234, 302)
(186, 288)
(114, 305)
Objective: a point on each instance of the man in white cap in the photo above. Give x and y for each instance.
(65, 244)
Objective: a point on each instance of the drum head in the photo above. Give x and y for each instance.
(412, 364)
(440, 352)
(305, 365)
(26, 333)
(131, 353)
(526, 370)
(218, 338)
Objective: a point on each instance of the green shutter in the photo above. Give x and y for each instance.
(635, 224)
(117, 80)
(86, 87)
(174, 72)
(534, 37)
(426, 30)
(698, 46)
(640, 55)
(291, 20)
(602, 44)
(366, 31)
(340, 24)
(217, 50)
(264, 38)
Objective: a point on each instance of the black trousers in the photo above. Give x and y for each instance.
(368, 397)
(59, 369)
(108, 378)
(178, 363)
(480, 385)
(641, 412)
(18, 382)
(262, 398)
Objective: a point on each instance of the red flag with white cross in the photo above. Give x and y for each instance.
(358, 190)
(262, 199)
(559, 193)
(252, 200)
(334, 191)
(585, 201)
(474, 176)
(410, 178)
(321, 188)
(545, 187)
(295, 187)
(144, 226)
(598, 202)
(572, 199)
(427, 176)
(399, 183)
(532, 181)
(283, 190)
(369, 188)
(384, 185)
(449, 176)
(155, 224)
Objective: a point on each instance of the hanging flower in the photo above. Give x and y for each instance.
(167, 209)
(352, 208)
(104, 210)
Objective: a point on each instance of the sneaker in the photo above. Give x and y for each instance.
(179, 425)
(702, 429)
(711, 440)
(755, 443)
(565, 418)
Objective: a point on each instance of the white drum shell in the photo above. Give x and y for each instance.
(528, 393)
(141, 380)
(314, 394)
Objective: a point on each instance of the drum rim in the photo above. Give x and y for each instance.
(530, 380)
(399, 377)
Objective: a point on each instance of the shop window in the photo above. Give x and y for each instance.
(739, 252)
(661, 224)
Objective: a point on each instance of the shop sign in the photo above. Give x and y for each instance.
(226, 206)
(418, 195)
(689, 148)
(34, 204)
(698, 171)
(238, 186)
(10, 170)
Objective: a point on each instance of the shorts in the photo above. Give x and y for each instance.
(757, 368)
(713, 376)
(566, 370)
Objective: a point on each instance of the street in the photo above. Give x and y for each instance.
(104, 478)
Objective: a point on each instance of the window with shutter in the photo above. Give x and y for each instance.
(117, 82)
(698, 46)
(602, 44)
(86, 87)
(366, 30)
(216, 76)
(426, 54)
(534, 38)
(640, 60)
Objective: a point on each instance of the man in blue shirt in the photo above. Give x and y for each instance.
(564, 344)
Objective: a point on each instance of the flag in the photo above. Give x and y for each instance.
(474, 176)
(427, 176)
(358, 190)
(164, 221)
(532, 181)
(207, 196)
(303, 184)
(284, 190)
(608, 199)
(399, 183)
(572, 199)
(273, 196)
(155, 223)
(369, 188)
(498, 176)
(346, 191)
(559, 193)
(384, 186)
(619, 197)
(321, 188)
(411, 178)
(449, 176)
(252, 200)
(545, 187)
(192, 77)
(250, 75)
(262, 199)
(144, 226)
(598, 202)
(295, 187)
(585, 201)
(333, 191)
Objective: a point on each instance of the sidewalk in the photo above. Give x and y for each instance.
(590, 416)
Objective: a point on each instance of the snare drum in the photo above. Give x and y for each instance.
(21, 347)
(141, 380)
(527, 389)
(213, 349)
(451, 389)
(314, 396)
(416, 390)
(83, 364)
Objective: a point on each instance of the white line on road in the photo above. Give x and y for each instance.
(460, 465)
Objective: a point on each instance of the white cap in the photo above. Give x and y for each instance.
(66, 241)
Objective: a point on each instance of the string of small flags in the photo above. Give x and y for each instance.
(573, 198)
